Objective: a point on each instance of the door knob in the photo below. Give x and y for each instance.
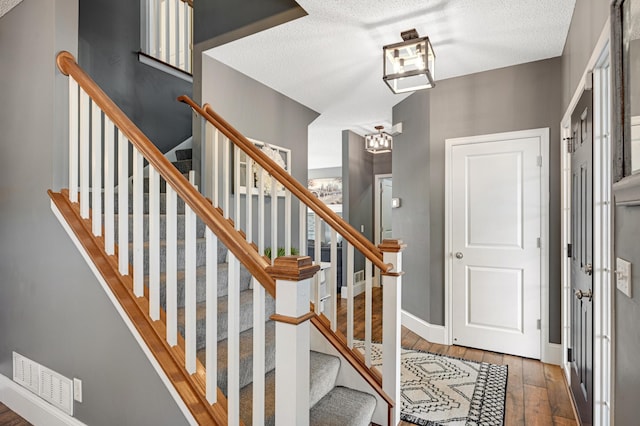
(459, 255)
(588, 269)
(580, 294)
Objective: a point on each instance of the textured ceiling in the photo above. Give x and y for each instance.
(7, 5)
(331, 60)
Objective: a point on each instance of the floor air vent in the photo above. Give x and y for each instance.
(47, 384)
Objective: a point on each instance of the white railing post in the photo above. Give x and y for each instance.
(391, 327)
(293, 276)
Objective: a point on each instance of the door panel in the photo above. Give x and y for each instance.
(495, 261)
(386, 189)
(581, 257)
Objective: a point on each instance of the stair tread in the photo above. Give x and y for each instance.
(323, 373)
(343, 407)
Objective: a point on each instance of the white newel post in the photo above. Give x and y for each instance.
(391, 325)
(293, 275)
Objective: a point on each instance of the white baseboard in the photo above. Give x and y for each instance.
(357, 289)
(31, 407)
(552, 354)
(429, 332)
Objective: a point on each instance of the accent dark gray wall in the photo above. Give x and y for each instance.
(521, 97)
(357, 191)
(263, 114)
(52, 308)
(382, 163)
(109, 42)
(411, 222)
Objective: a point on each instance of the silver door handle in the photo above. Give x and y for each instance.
(459, 255)
(580, 294)
(588, 269)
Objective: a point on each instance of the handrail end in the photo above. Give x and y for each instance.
(183, 98)
(60, 61)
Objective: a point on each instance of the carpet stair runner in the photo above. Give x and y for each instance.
(330, 404)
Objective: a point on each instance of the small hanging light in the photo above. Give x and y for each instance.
(409, 65)
(380, 142)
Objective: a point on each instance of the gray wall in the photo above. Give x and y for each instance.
(357, 191)
(589, 17)
(260, 113)
(109, 42)
(52, 309)
(515, 98)
(411, 222)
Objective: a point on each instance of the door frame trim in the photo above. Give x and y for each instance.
(603, 361)
(377, 218)
(546, 352)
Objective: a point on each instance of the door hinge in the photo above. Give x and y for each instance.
(569, 145)
(569, 250)
(539, 324)
(569, 355)
(539, 242)
(539, 160)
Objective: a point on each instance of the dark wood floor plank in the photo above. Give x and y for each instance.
(557, 390)
(10, 418)
(533, 373)
(514, 414)
(537, 410)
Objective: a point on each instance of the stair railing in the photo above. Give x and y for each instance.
(103, 146)
(241, 172)
(167, 30)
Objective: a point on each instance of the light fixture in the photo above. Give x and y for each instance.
(409, 65)
(377, 143)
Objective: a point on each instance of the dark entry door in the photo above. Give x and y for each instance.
(581, 356)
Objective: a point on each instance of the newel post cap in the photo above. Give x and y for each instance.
(392, 246)
(293, 268)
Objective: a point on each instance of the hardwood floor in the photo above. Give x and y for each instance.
(536, 392)
(9, 418)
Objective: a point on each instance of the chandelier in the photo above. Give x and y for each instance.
(380, 142)
(409, 65)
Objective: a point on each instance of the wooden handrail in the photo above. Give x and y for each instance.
(355, 238)
(243, 250)
(189, 2)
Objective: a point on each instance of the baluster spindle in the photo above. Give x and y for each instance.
(249, 199)
(233, 341)
(109, 176)
(302, 226)
(211, 300)
(96, 169)
(123, 204)
(274, 219)
(215, 162)
(138, 229)
(258, 352)
(176, 33)
(261, 212)
(154, 244)
(368, 308)
(85, 128)
(332, 282)
(236, 187)
(350, 296)
(166, 30)
(226, 181)
(171, 262)
(317, 256)
(190, 292)
(287, 222)
(73, 140)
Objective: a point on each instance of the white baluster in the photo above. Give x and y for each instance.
(261, 212)
(96, 169)
(233, 341)
(391, 327)
(368, 311)
(190, 292)
(287, 223)
(109, 177)
(166, 30)
(171, 283)
(236, 186)
(158, 27)
(274, 219)
(333, 280)
(258, 352)
(73, 140)
(138, 224)
(226, 180)
(211, 316)
(350, 296)
(123, 204)
(302, 224)
(154, 244)
(317, 255)
(176, 34)
(85, 148)
(214, 166)
(249, 199)
(152, 23)
(189, 39)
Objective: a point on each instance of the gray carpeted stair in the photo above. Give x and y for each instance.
(331, 405)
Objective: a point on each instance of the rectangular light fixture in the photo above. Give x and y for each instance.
(377, 143)
(409, 65)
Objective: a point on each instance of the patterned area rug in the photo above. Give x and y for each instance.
(440, 390)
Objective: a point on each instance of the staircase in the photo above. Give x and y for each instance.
(202, 298)
(330, 404)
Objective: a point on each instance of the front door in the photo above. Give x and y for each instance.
(581, 356)
(495, 225)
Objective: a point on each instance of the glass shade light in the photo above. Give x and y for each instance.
(409, 65)
(380, 142)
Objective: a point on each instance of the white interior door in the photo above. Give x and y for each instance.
(494, 222)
